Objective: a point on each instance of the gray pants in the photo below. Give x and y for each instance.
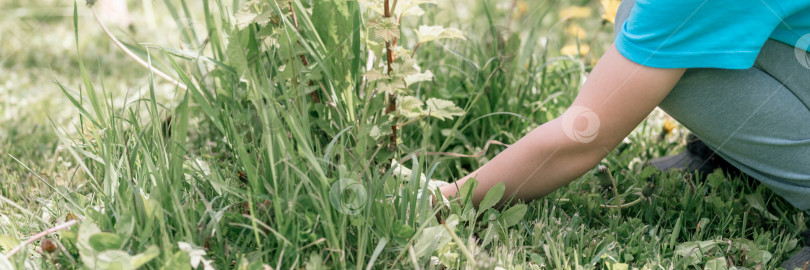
(758, 118)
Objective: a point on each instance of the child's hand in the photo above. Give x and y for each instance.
(432, 184)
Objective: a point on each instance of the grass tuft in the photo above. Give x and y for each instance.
(277, 153)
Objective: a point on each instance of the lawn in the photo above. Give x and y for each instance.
(268, 143)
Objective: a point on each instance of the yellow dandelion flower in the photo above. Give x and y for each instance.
(575, 30)
(611, 7)
(522, 8)
(669, 126)
(571, 49)
(574, 12)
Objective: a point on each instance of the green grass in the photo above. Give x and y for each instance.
(241, 169)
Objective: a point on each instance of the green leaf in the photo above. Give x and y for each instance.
(269, 35)
(86, 251)
(179, 261)
(676, 231)
(114, 259)
(431, 33)
(236, 53)
(376, 132)
(695, 250)
(331, 19)
(288, 47)
(410, 106)
(443, 109)
(149, 206)
(391, 87)
(256, 11)
(418, 77)
(146, 256)
(513, 215)
(69, 237)
(704, 223)
(105, 241)
(616, 266)
(754, 254)
(492, 198)
(755, 201)
(292, 68)
(647, 172)
(385, 28)
(406, 67)
(178, 139)
(718, 263)
(374, 75)
(466, 190)
(403, 231)
(434, 238)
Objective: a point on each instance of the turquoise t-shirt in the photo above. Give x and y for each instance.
(710, 33)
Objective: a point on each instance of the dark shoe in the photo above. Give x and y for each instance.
(800, 260)
(697, 159)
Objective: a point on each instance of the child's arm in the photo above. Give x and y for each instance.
(619, 92)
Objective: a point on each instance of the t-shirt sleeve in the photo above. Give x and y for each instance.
(697, 33)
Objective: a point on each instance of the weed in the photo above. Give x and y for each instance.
(273, 147)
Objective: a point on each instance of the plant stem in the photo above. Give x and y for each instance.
(415, 48)
(392, 98)
(623, 205)
(393, 7)
(411, 121)
(40, 235)
(314, 94)
(614, 184)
